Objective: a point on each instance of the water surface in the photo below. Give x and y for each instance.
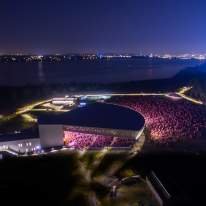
(101, 71)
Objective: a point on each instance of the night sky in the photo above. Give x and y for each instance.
(61, 26)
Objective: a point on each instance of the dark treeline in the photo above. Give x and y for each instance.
(196, 77)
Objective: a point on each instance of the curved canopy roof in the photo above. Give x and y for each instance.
(98, 115)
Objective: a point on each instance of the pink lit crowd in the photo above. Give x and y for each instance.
(168, 120)
(79, 140)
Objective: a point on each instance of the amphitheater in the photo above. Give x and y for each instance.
(94, 126)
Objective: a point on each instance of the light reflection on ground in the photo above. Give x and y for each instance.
(97, 171)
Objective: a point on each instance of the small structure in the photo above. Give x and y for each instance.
(25, 141)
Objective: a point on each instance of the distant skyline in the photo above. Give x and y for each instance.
(119, 26)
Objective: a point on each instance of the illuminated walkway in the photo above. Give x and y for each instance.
(182, 92)
(23, 110)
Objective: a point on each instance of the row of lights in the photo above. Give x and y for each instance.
(27, 144)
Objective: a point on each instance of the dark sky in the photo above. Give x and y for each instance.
(59, 26)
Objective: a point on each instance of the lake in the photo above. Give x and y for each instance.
(96, 71)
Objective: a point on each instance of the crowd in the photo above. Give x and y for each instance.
(168, 120)
(123, 142)
(79, 140)
(102, 141)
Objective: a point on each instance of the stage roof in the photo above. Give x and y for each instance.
(100, 115)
